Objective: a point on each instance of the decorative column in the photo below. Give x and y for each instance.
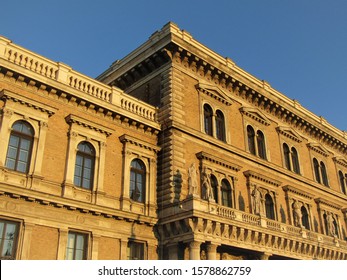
(173, 251)
(152, 250)
(123, 249)
(265, 256)
(211, 251)
(95, 247)
(28, 230)
(62, 243)
(194, 250)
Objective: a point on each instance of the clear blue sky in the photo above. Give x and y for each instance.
(298, 46)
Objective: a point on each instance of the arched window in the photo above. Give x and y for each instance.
(226, 193)
(269, 207)
(251, 140)
(342, 180)
(324, 174)
(84, 166)
(295, 161)
(304, 218)
(20, 147)
(208, 114)
(220, 126)
(261, 145)
(137, 180)
(286, 153)
(316, 170)
(214, 184)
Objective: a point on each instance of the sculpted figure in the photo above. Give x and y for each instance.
(206, 185)
(192, 179)
(297, 215)
(331, 225)
(256, 201)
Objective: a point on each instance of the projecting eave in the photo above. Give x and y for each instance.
(176, 46)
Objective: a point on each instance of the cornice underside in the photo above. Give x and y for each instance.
(141, 70)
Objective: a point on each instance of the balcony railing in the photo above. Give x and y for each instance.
(87, 87)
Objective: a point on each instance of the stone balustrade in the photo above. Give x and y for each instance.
(256, 220)
(25, 59)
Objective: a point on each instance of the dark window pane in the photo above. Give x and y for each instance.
(208, 113)
(251, 139)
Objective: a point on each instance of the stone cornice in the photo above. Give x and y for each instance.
(318, 148)
(260, 177)
(218, 161)
(223, 73)
(84, 208)
(290, 133)
(325, 202)
(255, 114)
(49, 110)
(89, 124)
(341, 161)
(138, 142)
(214, 92)
(291, 189)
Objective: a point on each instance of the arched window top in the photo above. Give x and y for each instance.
(305, 218)
(220, 125)
(269, 207)
(220, 114)
(226, 185)
(294, 151)
(285, 147)
(86, 148)
(261, 145)
(138, 165)
(23, 127)
(208, 115)
(84, 166)
(20, 147)
(324, 174)
(250, 131)
(137, 181)
(342, 179)
(260, 135)
(208, 109)
(286, 156)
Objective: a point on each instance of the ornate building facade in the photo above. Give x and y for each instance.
(174, 152)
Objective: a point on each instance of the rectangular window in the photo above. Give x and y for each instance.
(77, 245)
(135, 250)
(8, 239)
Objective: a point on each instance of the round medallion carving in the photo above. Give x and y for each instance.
(11, 206)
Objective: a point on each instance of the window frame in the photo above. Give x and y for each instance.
(15, 241)
(130, 249)
(85, 156)
(138, 172)
(208, 119)
(269, 207)
(86, 240)
(343, 181)
(220, 126)
(21, 137)
(320, 172)
(226, 194)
